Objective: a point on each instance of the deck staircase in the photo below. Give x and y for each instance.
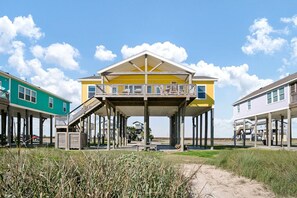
(82, 111)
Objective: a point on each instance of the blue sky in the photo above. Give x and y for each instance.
(246, 44)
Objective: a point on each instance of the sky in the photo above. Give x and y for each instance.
(245, 44)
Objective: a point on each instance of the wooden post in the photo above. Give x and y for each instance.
(206, 129)
(31, 129)
(118, 131)
(201, 130)
(90, 129)
(243, 135)
(108, 126)
(196, 130)
(255, 131)
(18, 142)
(95, 128)
(212, 128)
(145, 123)
(193, 130)
(289, 128)
(113, 128)
(104, 131)
(10, 126)
(171, 134)
(125, 130)
(182, 129)
(269, 129)
(51, 129)
(276, 132)
(235, 134)
(26, 127)
(100, 134)
(267, 132)
(282, 130)
(3, 126)
(40, 129)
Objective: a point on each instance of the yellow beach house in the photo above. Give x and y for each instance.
(145, 85)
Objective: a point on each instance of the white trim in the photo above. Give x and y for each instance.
(88, 89)
(30, 90)
(204, 91)
(150, 54)
(9, 88)
(82, 80)
(258, 114)
(28, 108)
(205, 79)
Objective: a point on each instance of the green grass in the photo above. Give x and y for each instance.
(276, 169)
(55, 173)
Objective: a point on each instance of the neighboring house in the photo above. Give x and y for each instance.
(274, 103)
(22, 100)
(148, 85)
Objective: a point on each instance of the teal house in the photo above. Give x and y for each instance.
(20, 102)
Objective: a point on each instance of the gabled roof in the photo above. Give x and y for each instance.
(281, 82)
(141, 55)
(8, 75)
(93, 78)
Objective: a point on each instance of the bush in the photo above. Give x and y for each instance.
(55, 173)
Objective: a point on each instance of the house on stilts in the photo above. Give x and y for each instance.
(143, 85)
(275, 105)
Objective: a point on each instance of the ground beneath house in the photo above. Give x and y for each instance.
(210, 181)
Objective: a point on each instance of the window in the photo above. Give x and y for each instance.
(158, 89)
(201, 92)
(149, 89)
(33, 96)
(91, 91)
(249, 105)
(28, 94)
(114, 90)
(275, 96)
(21, 92)
(281, 92)
(50, 102)
(238, 108)
(268, 97)
(64, 107)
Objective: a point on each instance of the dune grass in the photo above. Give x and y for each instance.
(54, 173)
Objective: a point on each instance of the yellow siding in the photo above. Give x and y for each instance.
(209, 101)
(155, 79)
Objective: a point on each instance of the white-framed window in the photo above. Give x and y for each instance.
(64, 107)
(114, 90)
(249, 104)
(275, 96)
(158, 89)
(33, 96)
(91, 91)
(238, 108)
(281, 93)
(21, 92)
(269, 98)
(50, 102)
(28, 94)
(149, 89)
(201, 92)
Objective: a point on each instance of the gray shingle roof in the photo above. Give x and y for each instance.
(204, 77)
(91, 77)
(286, 80)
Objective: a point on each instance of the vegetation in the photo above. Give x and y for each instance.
(55, 173)
(276, 169)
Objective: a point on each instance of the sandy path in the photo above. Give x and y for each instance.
(213, 182)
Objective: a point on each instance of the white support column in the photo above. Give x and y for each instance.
(182, 129)
(255, 131)
(117, 129)
(289, 128)
(269, 129)
(243, 137)
(145, 65)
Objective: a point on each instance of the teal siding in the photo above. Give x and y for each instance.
(42, 99)
(5, 82)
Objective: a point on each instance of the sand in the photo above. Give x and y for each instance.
(210, 181)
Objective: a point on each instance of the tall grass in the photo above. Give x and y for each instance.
(55, 173)
(277, 169)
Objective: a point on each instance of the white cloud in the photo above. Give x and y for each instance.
(290, 20)
(9, 30)
(166, 50)
(26, 27)
(223, 127)
(261, 40)
(294, 47)
(55, 81)
(62, 54)
(104, 54)
(17, 61)
(236, 76)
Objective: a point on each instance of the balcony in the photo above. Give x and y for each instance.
(146, 90)
(293, 102)
(4, 97)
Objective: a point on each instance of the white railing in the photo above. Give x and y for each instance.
(77, 112)
(146, 89)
